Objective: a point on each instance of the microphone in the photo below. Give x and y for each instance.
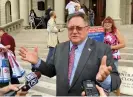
(31, 80)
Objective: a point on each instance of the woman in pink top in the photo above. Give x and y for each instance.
(113, 38)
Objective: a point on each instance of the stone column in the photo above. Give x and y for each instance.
(24, 11)
(59, 7)
(113, 10)
(15, 9)
(30, 5)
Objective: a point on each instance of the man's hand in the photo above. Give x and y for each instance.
(104, 70)
(100, 90)
(29, 56)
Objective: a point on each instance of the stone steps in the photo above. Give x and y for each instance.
(128, 63)
(43, 46)
(126, 56)
(127, 50)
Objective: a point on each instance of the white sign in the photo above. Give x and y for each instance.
(126, 75)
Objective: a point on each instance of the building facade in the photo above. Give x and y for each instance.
(120, 10)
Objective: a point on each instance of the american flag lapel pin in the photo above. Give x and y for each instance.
(89, 49)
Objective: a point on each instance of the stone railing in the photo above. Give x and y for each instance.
(13, 27)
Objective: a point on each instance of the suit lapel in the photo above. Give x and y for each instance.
(82, 61)
(64, 63)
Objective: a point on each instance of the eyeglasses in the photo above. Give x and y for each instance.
(78, 28)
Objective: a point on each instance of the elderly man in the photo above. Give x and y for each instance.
(77, 60)
(52, 34)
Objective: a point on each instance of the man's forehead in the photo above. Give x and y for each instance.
(76, 24)
(76, 21)
(77, 18)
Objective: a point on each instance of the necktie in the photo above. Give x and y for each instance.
(71, 61)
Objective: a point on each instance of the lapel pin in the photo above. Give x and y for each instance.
(89, 49)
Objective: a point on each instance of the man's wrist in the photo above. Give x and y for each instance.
(37, 63)
(106, 84)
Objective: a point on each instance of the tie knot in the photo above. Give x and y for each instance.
(74, 47)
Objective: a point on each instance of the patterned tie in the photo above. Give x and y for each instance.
(71, 61)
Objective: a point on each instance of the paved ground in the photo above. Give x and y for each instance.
(32, 38)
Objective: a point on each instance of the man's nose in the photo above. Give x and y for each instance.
(75, 30)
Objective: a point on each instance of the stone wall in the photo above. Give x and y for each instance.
(35, 7)
(2, 12)
(50, 3)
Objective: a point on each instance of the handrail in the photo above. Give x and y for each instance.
(13, 26)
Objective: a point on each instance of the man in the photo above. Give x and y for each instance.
(9, 42)
(8, 88)
(52, 34)
(91, 17)
(77, 60)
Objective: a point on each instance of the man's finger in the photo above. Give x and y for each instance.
(103, 75)
(107, 72)
(22, 55)
(21, 50)
(36, 49)
(109, 68)
(99, 77)
(24, 49)
(104, 59)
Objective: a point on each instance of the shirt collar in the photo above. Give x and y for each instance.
(80, 46)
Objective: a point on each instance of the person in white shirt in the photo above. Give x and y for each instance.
(71, 7)
(52, 34)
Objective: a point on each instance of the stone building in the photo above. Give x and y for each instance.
(120, 10)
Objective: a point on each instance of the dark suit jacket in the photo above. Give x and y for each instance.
(87, 68)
